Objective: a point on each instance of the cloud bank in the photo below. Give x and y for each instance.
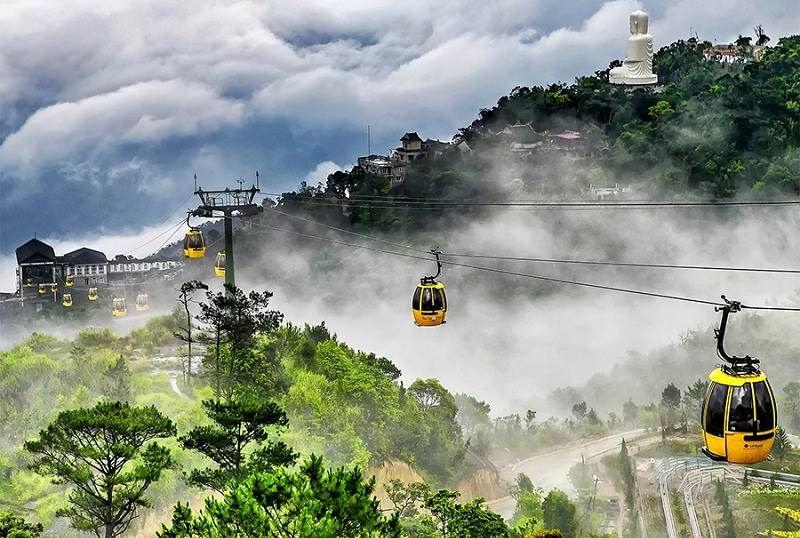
(121, 103)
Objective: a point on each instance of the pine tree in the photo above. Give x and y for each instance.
(108, 455)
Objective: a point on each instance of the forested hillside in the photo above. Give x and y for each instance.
(708, 130)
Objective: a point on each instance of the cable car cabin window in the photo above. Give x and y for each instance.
(741, 415)
(715, 410)
(415, 300)
(438, 299)
(193, 241)
(764, 412)
(427, 300)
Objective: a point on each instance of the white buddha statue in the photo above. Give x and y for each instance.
(638, 66)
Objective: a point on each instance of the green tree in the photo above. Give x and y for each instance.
(406, 497)
(529, 507)
(630, 412)
(238, 441)
(469, 520)
(782, 444)
(728, 529)
(560, 513)
(671, 400)
(592, 418)
(186, 334)
(530, 419)
(671, 396)
(627, 474)
(791, 393)
(118, 381)
(761, 38)
(522, 484)
(579, 411)
(233, 319)
(107, 454)
(311, 501)
(12, 526)
(693, 398)
(431, 395)
(660, 110)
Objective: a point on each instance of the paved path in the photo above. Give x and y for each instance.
(550, 470)
(694, 524)
(173, 383)
(667, 506)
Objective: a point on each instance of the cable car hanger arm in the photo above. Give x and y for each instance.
(746, 363)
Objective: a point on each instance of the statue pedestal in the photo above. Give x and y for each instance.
(631, 81)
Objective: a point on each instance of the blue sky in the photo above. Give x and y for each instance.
(107, 108)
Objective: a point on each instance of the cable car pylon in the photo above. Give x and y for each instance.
(231, 203)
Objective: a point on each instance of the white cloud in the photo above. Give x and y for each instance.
(145, 113)
(320, 172)
(97, 82)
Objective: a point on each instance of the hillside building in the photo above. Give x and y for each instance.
(37, 263)
(728, 53)
(86, 266)
(412, 148)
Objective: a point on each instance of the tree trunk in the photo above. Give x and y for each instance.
(189, 333)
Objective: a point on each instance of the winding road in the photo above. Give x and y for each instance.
(551, 469)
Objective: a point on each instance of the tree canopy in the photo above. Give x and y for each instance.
(106, 454)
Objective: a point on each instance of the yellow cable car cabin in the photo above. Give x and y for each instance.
(54, 287)
(194, 244)
(92, 294)
(142, 302)
(118, 307)
(219, 265)
(66, 301)
(69, 281)
(739, 418)
(429, 304)
(42, 289)
(29, 283)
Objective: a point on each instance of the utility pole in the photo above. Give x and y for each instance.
(231, 203)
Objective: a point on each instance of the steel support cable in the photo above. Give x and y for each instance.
(364, 236)
(501, 271)
(168, 238)
(175, 226)
(419, 200)
(549, 260)
(529, 275)
(162, 223)
(508, 207)
(625, 264)
(428, 204)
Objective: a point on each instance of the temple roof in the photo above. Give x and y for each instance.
(85, 256)
(411, 137)
(35, 251)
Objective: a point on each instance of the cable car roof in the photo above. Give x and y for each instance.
(718, 376)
